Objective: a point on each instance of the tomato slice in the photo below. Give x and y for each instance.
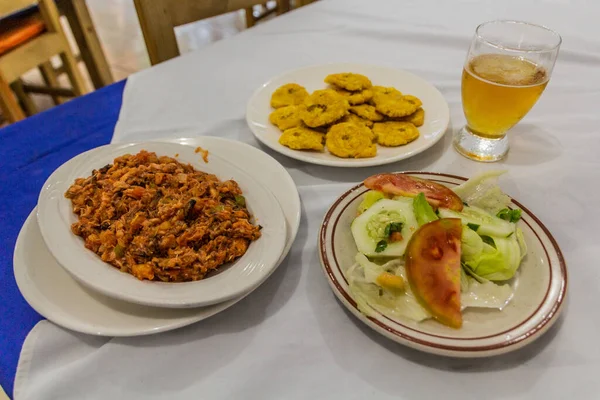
(404, 185)
(433, 269)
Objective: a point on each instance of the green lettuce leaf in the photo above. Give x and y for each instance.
(521, 241)
(471, 245)
(370, 269)
(481, 221)
(370, 298)
(469, 272)
(497, 263)
(464, 280)
(483, 191)
(423, 211)
(370, 198)
(485, 294)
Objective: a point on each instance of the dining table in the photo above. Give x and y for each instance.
(291, 338)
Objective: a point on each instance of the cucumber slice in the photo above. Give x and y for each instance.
(368, 228)
(488, 224)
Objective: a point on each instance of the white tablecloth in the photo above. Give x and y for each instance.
(291, 339)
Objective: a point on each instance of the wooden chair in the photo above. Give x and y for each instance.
(80, 21)
(302, 3)
(29, 42)
(158, 19)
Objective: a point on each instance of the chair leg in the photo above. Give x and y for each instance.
(80, 21)
(10, 107)
(24, 97)
(73, 72)
(49, 75)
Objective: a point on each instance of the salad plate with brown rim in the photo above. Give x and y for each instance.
(443, 264)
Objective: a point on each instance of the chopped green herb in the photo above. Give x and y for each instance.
(504, 214)
(393, 227)
(512, 233)
(473, 226)
(240, 201)
(381, 246)
(119, 251)
(465, 203)
(516, 215)
(509, 215)
(489, 240)
(396, 227)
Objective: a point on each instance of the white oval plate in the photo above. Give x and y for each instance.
(55, 217)
(539, 288)
(437, 114)
(53, 293)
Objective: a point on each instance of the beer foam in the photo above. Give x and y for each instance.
(507, 70)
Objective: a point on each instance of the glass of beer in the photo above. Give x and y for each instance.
(507, 68)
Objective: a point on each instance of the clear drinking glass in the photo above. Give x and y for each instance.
(507, 68)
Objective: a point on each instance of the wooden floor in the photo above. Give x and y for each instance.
(120, 34)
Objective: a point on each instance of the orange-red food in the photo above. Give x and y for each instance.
(404, 185)
(433, 269)
(201, 151)
(159, 219)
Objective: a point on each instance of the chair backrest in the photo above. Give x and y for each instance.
(47, 9)
(158, 19)
(37, 49)
(8, 7)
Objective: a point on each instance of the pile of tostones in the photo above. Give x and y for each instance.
(349, 118)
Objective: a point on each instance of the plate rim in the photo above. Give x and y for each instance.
(439, 348)
(156, 295)
(38, 305)
(343, 163)
(20, 275)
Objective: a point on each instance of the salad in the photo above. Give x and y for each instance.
(427, 251)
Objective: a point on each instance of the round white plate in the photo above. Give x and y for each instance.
(437, 114)
(539, 288)
(52, 292)
(55, 217)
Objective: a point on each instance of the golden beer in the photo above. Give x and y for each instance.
(498, 90)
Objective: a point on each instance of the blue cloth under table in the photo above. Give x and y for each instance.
(29, 152)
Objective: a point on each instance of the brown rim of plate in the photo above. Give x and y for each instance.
(549, 317)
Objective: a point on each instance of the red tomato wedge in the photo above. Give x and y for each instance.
(404, 185)
(433, 269)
